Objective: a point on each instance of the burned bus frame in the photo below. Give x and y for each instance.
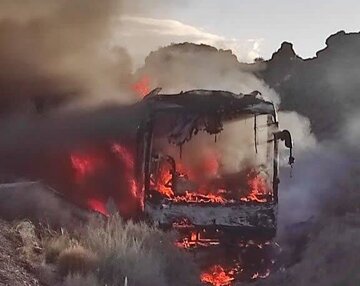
(242, 218)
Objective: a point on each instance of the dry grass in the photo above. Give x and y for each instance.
(112, 250)
(144, 254)
(55, 245)
(24, 235)
(81, 280)
(76, 260)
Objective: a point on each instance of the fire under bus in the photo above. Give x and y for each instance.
(207, 164)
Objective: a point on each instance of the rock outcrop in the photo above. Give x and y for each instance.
(324, 88)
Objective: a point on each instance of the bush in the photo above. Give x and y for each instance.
(80, 280)
(144, 254)
(54, 246)
(112, 250)
(76, 260)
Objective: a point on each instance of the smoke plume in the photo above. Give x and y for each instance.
(319, 213)
(62, 89)
(181, 67)
(187, 66)
(53, 52)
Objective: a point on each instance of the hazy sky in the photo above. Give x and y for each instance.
(250, 27)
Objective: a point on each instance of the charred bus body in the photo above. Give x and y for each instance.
(208, 161)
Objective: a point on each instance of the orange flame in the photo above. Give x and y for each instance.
(257, 185)
(166, 191)
(217, 276)
(128, 160)
(257, 275)
(258, 188)
(161, 184)
(97, 206)
(142, 86)
(195, 239)
(96, 163)
(208, 166)
(200, 198)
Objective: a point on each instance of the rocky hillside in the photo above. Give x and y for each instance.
(16, 247)
(324, 88)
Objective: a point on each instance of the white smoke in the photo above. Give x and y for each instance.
(141, 35)
(188, 66)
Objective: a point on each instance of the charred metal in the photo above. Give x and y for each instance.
(244, 200)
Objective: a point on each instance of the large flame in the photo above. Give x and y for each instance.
(86, 165)
(102, 173)
(257, 189)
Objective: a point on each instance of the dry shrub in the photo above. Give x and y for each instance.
(55, 245)
(80, 280)
(111, 250)
(22, 234)
(144, 254)
(76, 259)
(46, 273)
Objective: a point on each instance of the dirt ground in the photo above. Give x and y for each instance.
(14, 268)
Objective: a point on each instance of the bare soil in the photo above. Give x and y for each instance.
(14, 267)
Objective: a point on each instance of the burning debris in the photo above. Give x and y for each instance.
(223, 262)
(217, 276)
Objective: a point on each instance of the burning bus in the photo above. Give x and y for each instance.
(208, 161)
